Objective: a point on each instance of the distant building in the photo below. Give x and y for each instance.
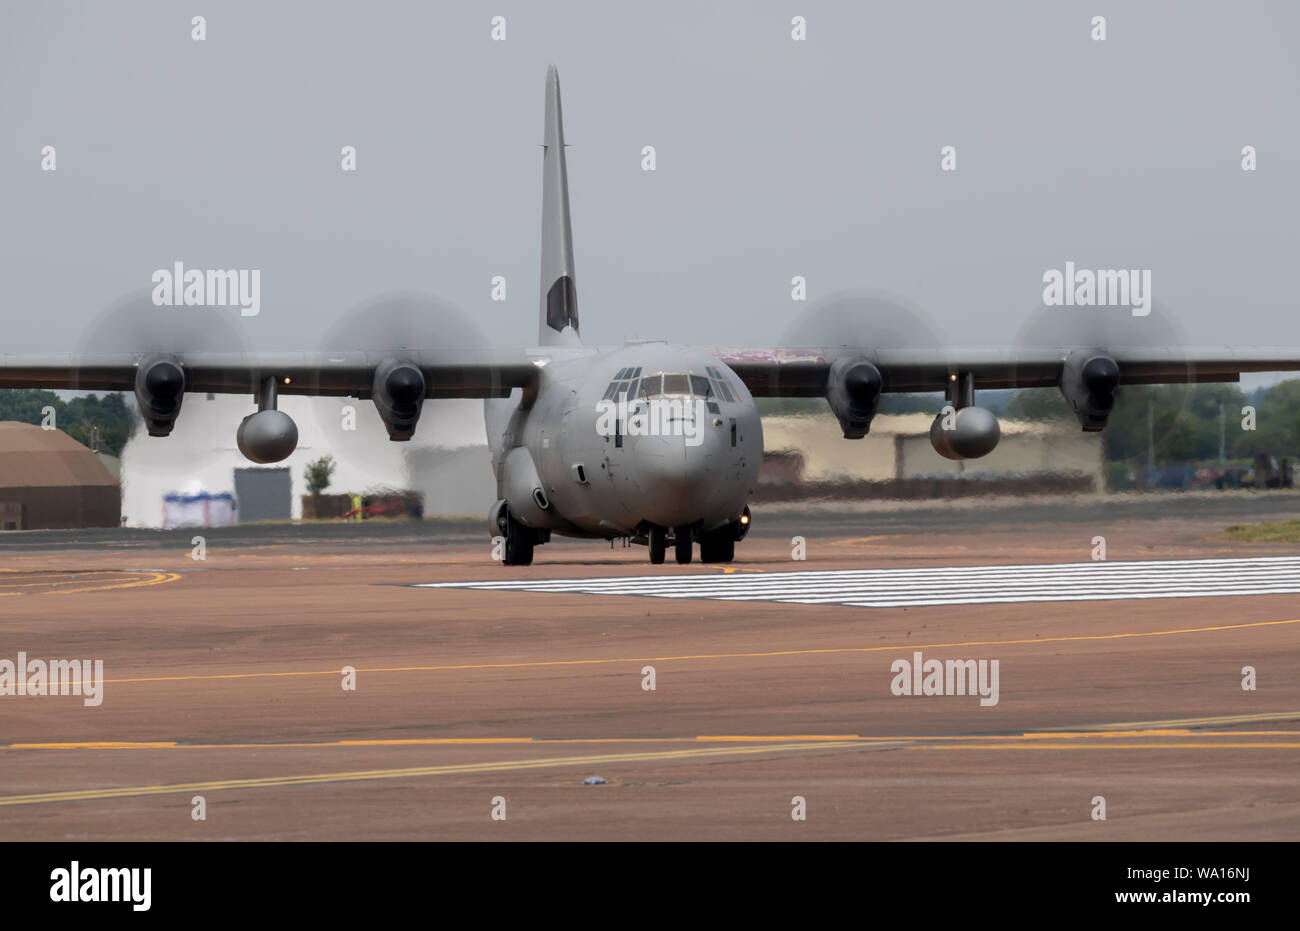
(112, 463)
(49, 481)
(200, 455)
(809, 452)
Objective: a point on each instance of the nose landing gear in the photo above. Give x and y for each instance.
(717, 545)
(684, 542)
(657, 538)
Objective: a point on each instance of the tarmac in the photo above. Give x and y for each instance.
(478, 714)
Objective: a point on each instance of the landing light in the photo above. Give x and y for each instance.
(287, 379)
(744, 518)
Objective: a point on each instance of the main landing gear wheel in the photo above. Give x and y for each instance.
(519, 544)
(683, 542)
(658, 545)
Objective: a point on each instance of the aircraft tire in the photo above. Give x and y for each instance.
(519, 545)
(683, 543)
(658, 545)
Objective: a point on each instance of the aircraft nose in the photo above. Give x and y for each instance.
(671, 466)
(675, 479)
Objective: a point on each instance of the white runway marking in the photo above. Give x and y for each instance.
(946, 585)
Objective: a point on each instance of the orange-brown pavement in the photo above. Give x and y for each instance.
(224, 680)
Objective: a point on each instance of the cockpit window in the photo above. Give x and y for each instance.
(673, 384)
(721, 383)
(624, 383)
(651, 386)
(677, 385)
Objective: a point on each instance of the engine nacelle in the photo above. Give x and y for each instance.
(853, 388)
(971, 432)
(267, 436)
(159, 390)
(1088, 381)
(398, 393)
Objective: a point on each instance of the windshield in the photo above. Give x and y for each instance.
(709, 387)
(677, 385)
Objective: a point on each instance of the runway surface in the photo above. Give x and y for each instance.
(224, 681)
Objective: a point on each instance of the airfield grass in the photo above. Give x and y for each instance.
(1278, 531)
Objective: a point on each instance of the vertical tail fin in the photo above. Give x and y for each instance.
(559, 325)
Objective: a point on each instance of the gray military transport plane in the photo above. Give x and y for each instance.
(650, 441)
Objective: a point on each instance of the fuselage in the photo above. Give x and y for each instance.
(646, 434)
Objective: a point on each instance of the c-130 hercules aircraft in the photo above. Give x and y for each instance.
(686, 442)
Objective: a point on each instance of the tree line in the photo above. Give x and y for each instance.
(80, 418)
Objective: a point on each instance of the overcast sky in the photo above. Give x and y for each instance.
(775, 158)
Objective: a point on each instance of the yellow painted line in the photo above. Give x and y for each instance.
(419, 742)
(1027, 735)
(63, 572)
(61, 582)
(175, 745)
(711, 738)
(65, 579)
(1218, 719)
(535, 664)
(75, 795)
(72, 586)
(95, 745)
(68, 577)
(154, 578)
(556, 762)
(68, 571)
(827, 737)
(1117, 746)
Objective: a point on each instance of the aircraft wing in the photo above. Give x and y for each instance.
(804, 372)
(448, 373)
